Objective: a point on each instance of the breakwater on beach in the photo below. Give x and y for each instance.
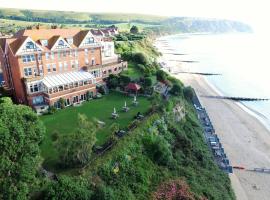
(238, 63)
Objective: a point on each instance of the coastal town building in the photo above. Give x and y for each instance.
(41, 66)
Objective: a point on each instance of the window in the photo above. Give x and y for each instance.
(93, 61)
(60, 67)
(70, 40)
(77, 64)
(49, 68)
(65, 66)
(44, 42)
(34, 88)
(86, 52)
(47, 55)
(92, 51)
(52, 55)
(59, 54)
(35, 71)
(89, 40)
(54, 67)
(64, 54)
(30, 45)
(27, 71)
(28, 58)
(61, 43)
(40, 70)
(38, 100)
(76, 52)
(39, 56)
(72, 64)
(70, 53)
(86, 61)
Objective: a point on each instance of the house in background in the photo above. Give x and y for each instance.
(40, 66)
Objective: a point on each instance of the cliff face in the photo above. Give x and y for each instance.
(184, 24)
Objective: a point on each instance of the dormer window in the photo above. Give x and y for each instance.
(61, 43)
(30, 45)
(89, 40)
(44, 42)
(70, 40)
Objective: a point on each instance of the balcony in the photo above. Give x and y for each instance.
(110, 60)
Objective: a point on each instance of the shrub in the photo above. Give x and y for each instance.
(161, 75)
(68, 188)
(141, 67)
(134, 29)
(157, 149)
(112, 81)
(176, 90)
(52, 110)
(140, 58)
(189, 93)
(62, 103)
(148, 82)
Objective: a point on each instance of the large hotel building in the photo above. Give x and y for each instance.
(40, 66)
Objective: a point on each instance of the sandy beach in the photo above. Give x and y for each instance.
(245, 139)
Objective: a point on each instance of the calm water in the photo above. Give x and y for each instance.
(242, 59)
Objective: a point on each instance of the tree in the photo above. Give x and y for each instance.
(112, 81)
(21, 133)
(75, 149)
(140, 58)
(68, 188)
(161, 75)
(148, 82)
(134, 29)
(124, 79)
(176, 90)
(188, 93)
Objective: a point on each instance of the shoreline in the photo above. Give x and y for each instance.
(245, 138)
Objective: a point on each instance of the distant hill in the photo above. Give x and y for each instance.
(158, 23)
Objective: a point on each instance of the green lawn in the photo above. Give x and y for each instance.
(65, 121)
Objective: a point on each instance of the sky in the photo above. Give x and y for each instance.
(254, 12)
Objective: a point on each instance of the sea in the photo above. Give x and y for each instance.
(242, 59)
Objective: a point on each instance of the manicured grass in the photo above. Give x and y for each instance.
(133, 72)
(65, 121)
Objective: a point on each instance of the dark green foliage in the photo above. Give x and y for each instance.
(161, 75)
(148, 82)
(134, 30)
(124, 79)
(68, 188)
(21, 133)
(112, 81)
(176, 90)
(75, 149)
(188, 93)
(157, 149)
(140, 58)
(52, 110)
(62, 103)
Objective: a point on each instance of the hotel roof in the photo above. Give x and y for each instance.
(66, 78)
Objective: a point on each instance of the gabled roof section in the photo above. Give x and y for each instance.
(54, 43)
(97, 32)
(85, 35)
(17, 47)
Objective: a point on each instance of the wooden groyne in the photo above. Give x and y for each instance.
(176, 54)
(185, 61)
(198, 73)
(237, 98)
